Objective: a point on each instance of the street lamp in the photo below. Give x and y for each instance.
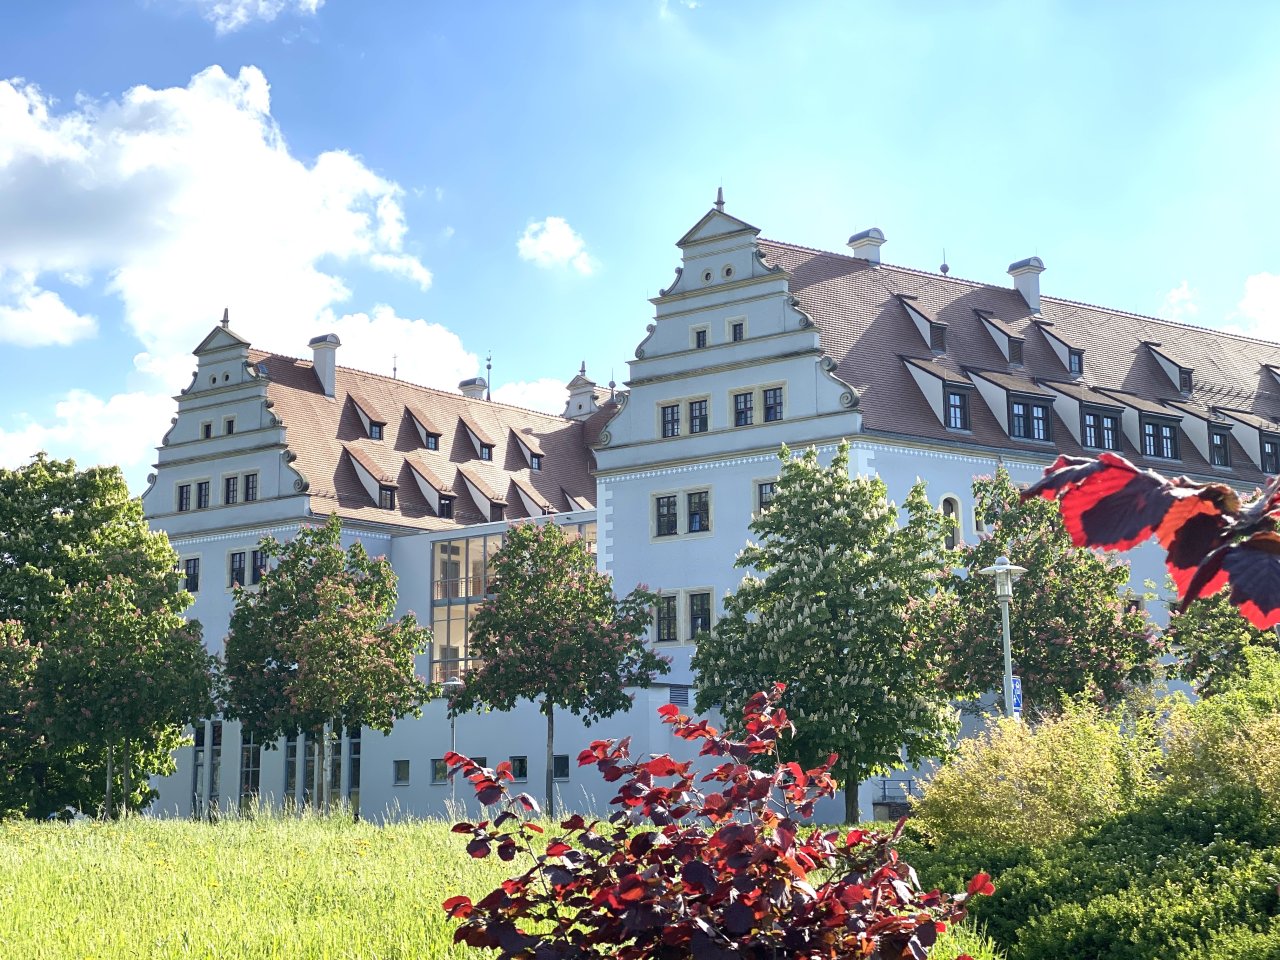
(1005, 573)
(453, 686)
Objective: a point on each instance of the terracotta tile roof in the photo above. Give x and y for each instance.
(472, 424)
(1011, 382)
(426, 473)
(1141, 403)
(472, 475)
(1082, 392)
(537, 498)
(1252, 419)
(319, 429)
(528, 438)
(428, 425)
(943, 373)
(855, 307)
(374, 468)
(370, 411)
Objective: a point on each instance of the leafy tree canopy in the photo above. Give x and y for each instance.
(1209, 641)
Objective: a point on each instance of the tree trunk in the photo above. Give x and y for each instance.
(550, 805)
(852, 781)
(106, 807)
(128, 770)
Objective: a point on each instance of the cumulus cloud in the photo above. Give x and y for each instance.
(123, 430)
(552, 243)
(1259, 308)
(30, 317)
(229, 15)
(547, 394)
(422, 352)
(1180, 303)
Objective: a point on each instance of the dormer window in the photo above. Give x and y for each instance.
(446, 508)
(938, 337)
(957, 409)
(1015, 352)
(535, 461)
(1028, 420)
(1101, 430)
(375, 431)
(433, 441)
(1219, 448)
(1271, 455)
(1184, 380)
(387, 498)
(496, 512)
(1159, 439)
(1075, 362)
(486, 451)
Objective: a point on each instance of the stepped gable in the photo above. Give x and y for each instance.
(326, 435)
(866, 328)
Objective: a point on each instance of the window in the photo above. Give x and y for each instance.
(433, 442)
(671, 420)
(1159, 439)
(665, 618)
(387, 498)
(772, 404)
(1015, 351)
(535, 461)
(375, 431)
(290, 767)
(184, 498)
(439, 770)
(520, 769)
(764, 493)
(486, 451)
(229, 425)
(1219, 448)
(1271, 456)
(699, 614)
(957, 410)
(259, 561)
(353, 773)
(951, 510)
(230, 490)
(235, 571)
(1184, 380)
(497, 512)
(1028, 421)
(202, 495)
(191, 575)
(737, 330)
(699, 338)
(446, 508)
(206, 430)
(1101, 430)
(250, 771)
(699, 511)
(937, 338)
(560, 766)
(250, 487)
(665, 516)
(1075, 361)
(400, 772)
(697, 416)
(743, 406)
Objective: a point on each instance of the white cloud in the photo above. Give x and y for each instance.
(30, 317)
(403, 265)
(1259, 308)
(229, 15)
(424, 352)
(1180, 303)
(553, 243)
(547, 394)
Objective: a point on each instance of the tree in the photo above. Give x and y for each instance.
(314, 642)
(1072, 630)
(1209, 641)
(830, 608)
(554, 632)
(110, 660)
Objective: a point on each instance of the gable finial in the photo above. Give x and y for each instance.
(394, 358)
(488, 376)
(582, 370)
(720, 199)
(226, 317)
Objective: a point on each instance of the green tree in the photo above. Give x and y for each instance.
(829, 607)
(1209, 641)
(1071, 627)
(314, 643)
(554, 632)
(112, 663)
(19, 739)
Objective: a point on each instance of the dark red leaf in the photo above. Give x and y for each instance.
(459, 907)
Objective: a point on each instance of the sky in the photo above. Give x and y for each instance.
(437, 182)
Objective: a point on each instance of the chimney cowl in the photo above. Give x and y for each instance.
(866, 244)
(473, 388)
(1026, 279)
(324, 359)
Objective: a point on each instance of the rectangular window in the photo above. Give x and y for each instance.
(699, 338)
(1039, 422)
(486, 451)
(1219, 449)
(1075, 361)
(235, 572)
(764, 493)
(560, 766)
(937, 337)
(699, 511)
(743, 408)
(1271, 456)
(387, 498)
(229, 425)
(290, 767)
(1015, 351)
(1184, 380)
(665, 618)
(439, 770)
(699, 614)
(665, 516)
(697, 416)
(375, 431)
(957, 410)
(1110, 432)
(1101, 431)
(535, 461)
(353, 775)
(197, 771)
(433, 442)
(1159, 440)
(259, 561)
(230, 490)
(671, 420)
(737, 330)
(446, 508)
(250, 771)
(250, 487)
(400, 772)
(202, 495)
(184, 498)
(191, 575)
(520, 769)
(772, 404)
(496, 512)
(1028, 421)
(206, 430)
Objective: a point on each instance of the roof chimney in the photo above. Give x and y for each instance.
(474, 388)
(866, 244)
(324, 358)
(1026, 278)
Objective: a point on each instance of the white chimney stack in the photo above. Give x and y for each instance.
(866, 245)
(1026, 278)
(473, 388)
(324, 358)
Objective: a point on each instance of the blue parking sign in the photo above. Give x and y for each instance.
(1017, 696)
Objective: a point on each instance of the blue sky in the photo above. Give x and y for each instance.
(437, 181)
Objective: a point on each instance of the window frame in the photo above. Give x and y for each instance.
(231, 490)
(386, 497)
(204, 494)
(228, 426)
(662, 513)
(1075, 362)
(1269, 456)
(190, 571)
(1029, 419)
(701, 597)
(959, 393)
(535, 461)
(778, 406)
(1107, 422)
(258, 566)
(377, 431)
(761, 502)
(232, 568)
(703, 511)
(666, 613)
(444, 507)
(558, 760)
(701, 337)
(517, 777)
(735, 329)
(744, 408)
(486, 451)
(1220, 450)
(1161, 430)
(183, 498)
(704, 419)
(396, 779)
(669, 420)
(432, 441)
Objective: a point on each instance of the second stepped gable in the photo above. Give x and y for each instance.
(385, 451)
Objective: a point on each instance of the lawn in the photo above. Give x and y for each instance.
(241, 889)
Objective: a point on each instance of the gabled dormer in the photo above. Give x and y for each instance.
(1274, 370)
(1022, 407)
(428, 432)
(932, 330)
(1208, 430)
(488, 501)
(1258, 435)
(480, 441)
(436, 492)
(947, 392)
(1006, 339)
(375, 423)
(1072, 357)
(380, 486)
(1179, 374)
(535, 504)
(528, 444)
(1151, 427)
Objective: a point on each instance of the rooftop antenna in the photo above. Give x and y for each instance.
(944, 269)
(394, 357)
(226, 317)
(720, 199)
(488, 376)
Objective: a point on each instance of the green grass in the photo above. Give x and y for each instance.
(244, 890)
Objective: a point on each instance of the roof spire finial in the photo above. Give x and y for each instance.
(944, 269)
(394, 357)
(582, 370)
(488, 376)
(612, 386)
(226, 317)
(720, 199)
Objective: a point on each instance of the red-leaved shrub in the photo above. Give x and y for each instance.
(678, 872)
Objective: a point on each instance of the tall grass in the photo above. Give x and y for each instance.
(239, 889)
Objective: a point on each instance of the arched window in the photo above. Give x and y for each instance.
(951, 510)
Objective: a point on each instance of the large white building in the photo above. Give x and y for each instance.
(756, 343)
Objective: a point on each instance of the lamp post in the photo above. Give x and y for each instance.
(1005, 573)
(453, 686)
